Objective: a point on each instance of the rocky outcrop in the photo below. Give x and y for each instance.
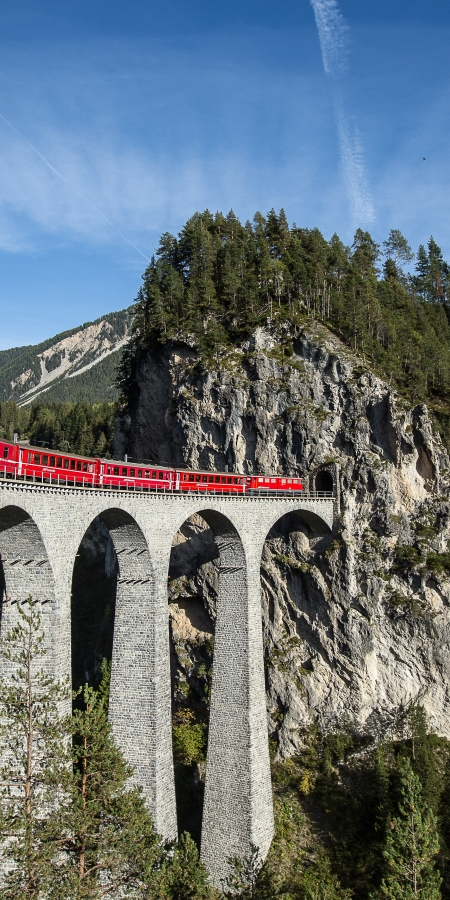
(357, 624)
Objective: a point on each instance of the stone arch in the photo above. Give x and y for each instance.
(296, 610)
(192, 596)
(316, 524)
(25, 571)
(139, 702)
(325, 478)
(237, 811)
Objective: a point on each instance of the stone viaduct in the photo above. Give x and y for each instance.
(41, 528)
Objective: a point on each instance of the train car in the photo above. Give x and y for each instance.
(34, 464)
(268, 483)
(213, 482)
(9, 458)
(52, 467)
(144, 478)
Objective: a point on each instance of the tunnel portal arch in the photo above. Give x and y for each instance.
(323, 481)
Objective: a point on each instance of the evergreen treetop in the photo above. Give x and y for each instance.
(219, 278)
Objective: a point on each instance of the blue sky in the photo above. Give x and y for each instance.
(118, 120)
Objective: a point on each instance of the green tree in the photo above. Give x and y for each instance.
(107, 842)
(35, 757)
(188, 738)
(411, 845)
(397, 249)
(319, 882)
(187, 878)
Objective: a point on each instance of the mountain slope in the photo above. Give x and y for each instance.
(75, 365)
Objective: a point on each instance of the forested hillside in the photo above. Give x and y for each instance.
(218, 279)
(86, 428)
(79, 364)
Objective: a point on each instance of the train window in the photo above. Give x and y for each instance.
(191, 478)
(45, 460)
(147, 473)
(66, 463)
(217, 479)
(223, 480)
(197, 477)
(132, 473)
(90, 467)
(59, 463)
(124, 471)
(204, 478)
(160, 474)
(229, 480)
(85, 467)
(234, 480)
(5, 452)
(116, 470)
(52, 461)
(79, 466)
(29, 457)
(37, 459)
(139, 473)
(210, 478)
(72, 463)
(153, 474)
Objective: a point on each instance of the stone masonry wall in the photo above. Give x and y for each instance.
(142, 529)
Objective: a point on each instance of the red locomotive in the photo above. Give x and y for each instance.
(21, 461)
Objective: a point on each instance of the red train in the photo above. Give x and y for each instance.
(20, 460)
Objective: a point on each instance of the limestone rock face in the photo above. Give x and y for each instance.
(356, 624)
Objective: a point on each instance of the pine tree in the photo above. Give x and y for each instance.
(397, 249)
(108, 843)
(411, 846)
(187, 878)
(34, 760)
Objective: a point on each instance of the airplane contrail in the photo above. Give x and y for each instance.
(333, 35)
(353, 164)
(72, 186)
(334, 44)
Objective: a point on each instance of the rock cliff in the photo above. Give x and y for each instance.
(357, 624)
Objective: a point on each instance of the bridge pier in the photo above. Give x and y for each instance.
(140, 695)
(238, 808)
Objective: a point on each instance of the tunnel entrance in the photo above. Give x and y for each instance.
(323, 482)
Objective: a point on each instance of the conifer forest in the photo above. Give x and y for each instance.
(218, 279)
